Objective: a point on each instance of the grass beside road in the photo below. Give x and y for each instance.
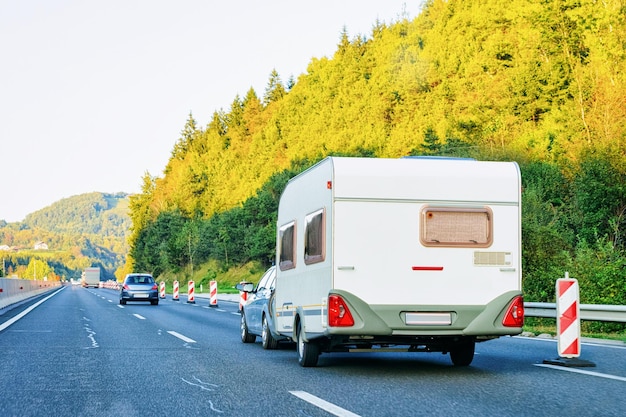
(205, 273)
(538, 326)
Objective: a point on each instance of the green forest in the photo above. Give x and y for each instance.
(79, 232)
(539, 82)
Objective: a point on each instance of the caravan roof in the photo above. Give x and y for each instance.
(424, 179)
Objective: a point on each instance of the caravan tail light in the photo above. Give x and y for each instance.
(338, 313)
(514, 316)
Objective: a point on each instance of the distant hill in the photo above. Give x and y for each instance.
(92, 213)
(71, 234)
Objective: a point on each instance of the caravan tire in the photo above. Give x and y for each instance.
(267, 339)
(308, 352)
(463, 353)
(246, 337)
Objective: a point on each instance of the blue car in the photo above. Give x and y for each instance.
(139, 287)
(256, 317)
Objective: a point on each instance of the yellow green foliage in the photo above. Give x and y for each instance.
(532, 80)
(541, 82)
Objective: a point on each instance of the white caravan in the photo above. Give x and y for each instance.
(413, 254)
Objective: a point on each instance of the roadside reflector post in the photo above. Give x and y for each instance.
(213, 294)
(191, 297)
(243, 297)
(162, 289)
(175, 291)
(568, 324)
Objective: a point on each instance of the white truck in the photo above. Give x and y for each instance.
(91, 277)
(411, 254)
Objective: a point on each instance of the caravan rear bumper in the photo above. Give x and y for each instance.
(426, 320)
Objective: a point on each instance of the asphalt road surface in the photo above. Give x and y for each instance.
(79, 353)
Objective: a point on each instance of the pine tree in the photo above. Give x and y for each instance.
(275, 89)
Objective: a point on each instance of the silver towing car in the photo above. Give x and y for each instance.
(256, 317)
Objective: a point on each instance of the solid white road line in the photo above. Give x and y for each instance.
(28, 310)
(324, 405)
(580, 371)
(181, 337)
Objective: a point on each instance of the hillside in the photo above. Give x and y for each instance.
(540, 83)
(92, 213)
(73, 233)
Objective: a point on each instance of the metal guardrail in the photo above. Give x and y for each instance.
(592, 312)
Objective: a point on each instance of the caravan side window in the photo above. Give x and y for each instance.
(456, 227)
(314, 233)
(287, 258)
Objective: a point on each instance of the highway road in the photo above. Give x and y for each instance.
(80, 353)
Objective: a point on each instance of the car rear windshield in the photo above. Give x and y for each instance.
(140, 279)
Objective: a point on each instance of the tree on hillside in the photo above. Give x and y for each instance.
(274, 90)
(187, 138)
(37, 269)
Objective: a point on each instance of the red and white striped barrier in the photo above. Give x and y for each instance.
(568, 317)
(191, 297)
(111, 285)
(162, 289)
(213, 294)
(243, 297)
(175, 291)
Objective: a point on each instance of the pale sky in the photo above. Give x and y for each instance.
(94, 93)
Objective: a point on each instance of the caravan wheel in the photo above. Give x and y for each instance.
(308, 352)
(463, 353)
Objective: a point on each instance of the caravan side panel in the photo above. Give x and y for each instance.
(305, 287)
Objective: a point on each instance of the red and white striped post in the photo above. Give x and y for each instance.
(175, 291)
(568, 317)
(243, 297)
(162, 289)
(191, 297)
(213, 293)
(568, 324)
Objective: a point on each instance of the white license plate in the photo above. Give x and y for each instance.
(428, 319)
(140, 295)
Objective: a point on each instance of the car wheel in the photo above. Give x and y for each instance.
(463, 353)
(123, 302)
(266, 336)
(308, 352)
(246, 337)
(154, 302)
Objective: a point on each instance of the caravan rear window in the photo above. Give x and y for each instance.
(458, 227)
(314, 248)
(287, 234)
